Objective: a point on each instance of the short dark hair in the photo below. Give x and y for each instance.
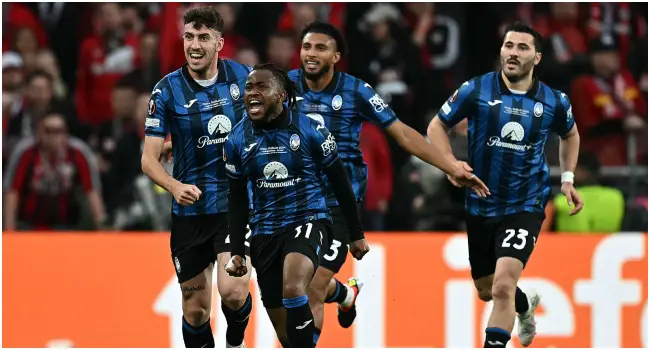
(329, 30)
(206, 16)
(281, 76)
(520, 27)
(39, 73)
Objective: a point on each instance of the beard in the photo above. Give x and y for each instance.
(521, 73)
(317, 75)
(208, 57)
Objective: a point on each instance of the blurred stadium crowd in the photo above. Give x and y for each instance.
(77, 78)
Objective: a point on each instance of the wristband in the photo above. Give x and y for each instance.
(567, 176)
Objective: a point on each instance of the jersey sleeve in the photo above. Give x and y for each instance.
(232, 159)
(157, 122)
(563, 119)
(372, 107)
(458, 106)
(322, 145)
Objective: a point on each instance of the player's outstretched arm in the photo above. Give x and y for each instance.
(372, 107)
(237, 220)
(437, 132)
(414, 143)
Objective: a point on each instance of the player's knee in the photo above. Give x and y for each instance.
(196, 315)
(234, 297)
(293, 289)
(503, 289)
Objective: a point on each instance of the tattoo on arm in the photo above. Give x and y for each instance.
(191, 289)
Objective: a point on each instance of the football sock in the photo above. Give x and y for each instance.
(198, 337)
(237, 321)
(496, 337)
(521, 302)
(316, 336)
(300, 322)
(340, 293)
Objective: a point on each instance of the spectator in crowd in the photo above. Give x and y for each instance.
(228, 11)
(607, 105)
(38, 101)
(281, 50)
(12, 73)
(148, 72)
(16, 16)
(26, 45)
(565, 46)
(606, 208)
(382, 60)
(623, 21)
(65, 25)
(638, 63)
(43, 179)
(104, 140)
(376, 154)
(132, 22)
(46, 61)
(124, 167)
(247, 55)
(104, 58)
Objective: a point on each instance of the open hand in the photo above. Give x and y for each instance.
(463, 177)
(572, 197)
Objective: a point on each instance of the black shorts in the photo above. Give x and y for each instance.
(196, 241)
(268, 253)
(490, 238)
(339, 240)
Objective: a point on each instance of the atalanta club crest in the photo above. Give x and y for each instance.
(337, 102)
(294, 142)
(538, 110)
(234, 92)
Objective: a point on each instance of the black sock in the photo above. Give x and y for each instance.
(496, 337)
(340, 293)
(198, 337)
(300, 322)
(521, 302)
(237, 321)
(316, 336)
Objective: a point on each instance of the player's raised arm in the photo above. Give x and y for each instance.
(325, 153)
(237, 201)
(565, 126)
(156, 129)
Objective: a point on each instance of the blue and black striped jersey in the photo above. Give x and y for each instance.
(199, 120)
(285, 166)
(342, 107)
(507, 131)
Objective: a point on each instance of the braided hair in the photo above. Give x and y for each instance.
(281, 77)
